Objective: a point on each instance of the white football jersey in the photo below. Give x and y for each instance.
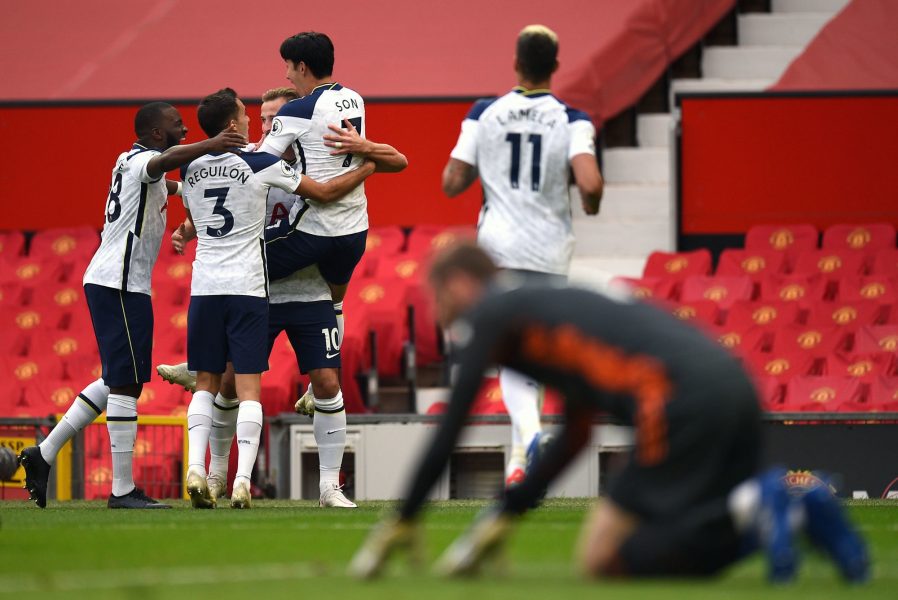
(226, 195)
(303, 123)
(521, 144)
(135, 222)
(305, 285)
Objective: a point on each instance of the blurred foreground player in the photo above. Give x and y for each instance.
(117, 288)
(528, 147)
(690, 502)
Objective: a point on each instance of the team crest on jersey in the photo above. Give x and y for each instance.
(730, 340)
(65, 297)
(716, 293)
(276, 126)
(860, 368)
(371, 293)
(63, 245)
(754, 264)
(828, 264)
(873, 290)
(26, 370)
(684, 313)
(777, 366)
(288, 170)
(858, 238)
(809, 339)
(889, 343)
(28, 271)
(407, 268)
(675, 265)
(28, 319)
(845, 315)
(62, 396)
(65, 346)
(764, 315)
(793, 291)
(781, 239)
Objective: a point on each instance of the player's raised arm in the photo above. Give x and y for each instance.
(177, 156)
(337, 187)
(386, 158)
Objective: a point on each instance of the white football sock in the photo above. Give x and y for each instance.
(744, 502)
(89, 405)
(224, 426)
(121, 421)
(521, 397)
(338, 312)
(329, 426)
(199, 427)
(249, 430)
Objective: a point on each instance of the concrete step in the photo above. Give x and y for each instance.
(636, 165)
(752, 62)
(653, 130)
(785, 29)
(622, 238)
(631, 201)
(808, 6)
(717, 85)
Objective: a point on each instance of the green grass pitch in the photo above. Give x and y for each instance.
(282, 548)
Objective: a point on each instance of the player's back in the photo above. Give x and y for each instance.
(523, 151)
(226, 196)
(304, 123)
(133, 227)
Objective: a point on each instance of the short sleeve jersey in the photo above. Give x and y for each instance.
(303, 123)
(522, 144)
(226, 195)
(135, 222)
(305, 285)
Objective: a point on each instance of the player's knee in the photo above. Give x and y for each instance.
(325, 383)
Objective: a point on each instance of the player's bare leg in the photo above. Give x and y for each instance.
(338, 293)
(605, 531)
(199, 428)
(249, 431)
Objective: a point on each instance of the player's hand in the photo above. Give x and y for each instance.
(227, 141)
(181, 236)
(391, 534)
(346, 141)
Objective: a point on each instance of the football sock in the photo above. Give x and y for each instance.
(338, 311)
(121, 421)
(199, 428)
(224, 426)
(744, 502)
(521, 397)
(249, 430)
(89, 405)
(329, 426)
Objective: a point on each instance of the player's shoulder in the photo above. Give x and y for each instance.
(300, 108)
(573, 114)
(257, 161)
(141, 151)
(480, 106)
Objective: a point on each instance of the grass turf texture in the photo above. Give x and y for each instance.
(282, 548)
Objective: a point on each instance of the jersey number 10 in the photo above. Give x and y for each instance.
(536, 141)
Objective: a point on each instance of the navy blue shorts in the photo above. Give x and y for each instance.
(288, 250)
(227, 328)
(123, 324)
(311, 328)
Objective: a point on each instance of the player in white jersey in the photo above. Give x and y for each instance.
(117, 288)
(227, 319)
(329, 235)
(524, 146)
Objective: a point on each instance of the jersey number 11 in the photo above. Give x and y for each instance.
(536, 141)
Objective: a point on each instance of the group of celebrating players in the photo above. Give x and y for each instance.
(291, 211)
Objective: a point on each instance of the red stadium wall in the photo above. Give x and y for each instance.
(750, 159)
(57, 161)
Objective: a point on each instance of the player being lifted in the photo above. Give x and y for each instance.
(330, 235)
(525, 145)
(225, 195)
(300, 305)
(689, 502)
(117, 288)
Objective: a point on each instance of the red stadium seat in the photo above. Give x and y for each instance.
(831, 264)
(723, 291)
(780, 366)
(84, 366)
(12, 295)
(770, 392)
(649, 288)
(885, 262)
(12, 245)
(176, 271)
(865, 367)
(791, 240)
(865, 237)
(678, 265)
(744, 315)
(159, 397)
(355, 357)
(64, 243)
(876, 338)
(703, 313)
(50, 397)
(743, 342)
(821, 394)
(62, 344)
(850, 315)
(815, 341)
(32, 273)
(873, 288)
(883, 395)
(23, 323)
(489, 399)
(28, 372)
(424, 240)
(804, 291)
(752, 263)
(384, 303)
(381, 242)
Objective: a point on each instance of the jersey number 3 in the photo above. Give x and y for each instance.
(220, 194)
(536, 141)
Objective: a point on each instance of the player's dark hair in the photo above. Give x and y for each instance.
(313, 48)
(148, 117)
(217, 110)
(464, 257)
(537, 52)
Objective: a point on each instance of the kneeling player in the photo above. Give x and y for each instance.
(228, 314)
(690, 502)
